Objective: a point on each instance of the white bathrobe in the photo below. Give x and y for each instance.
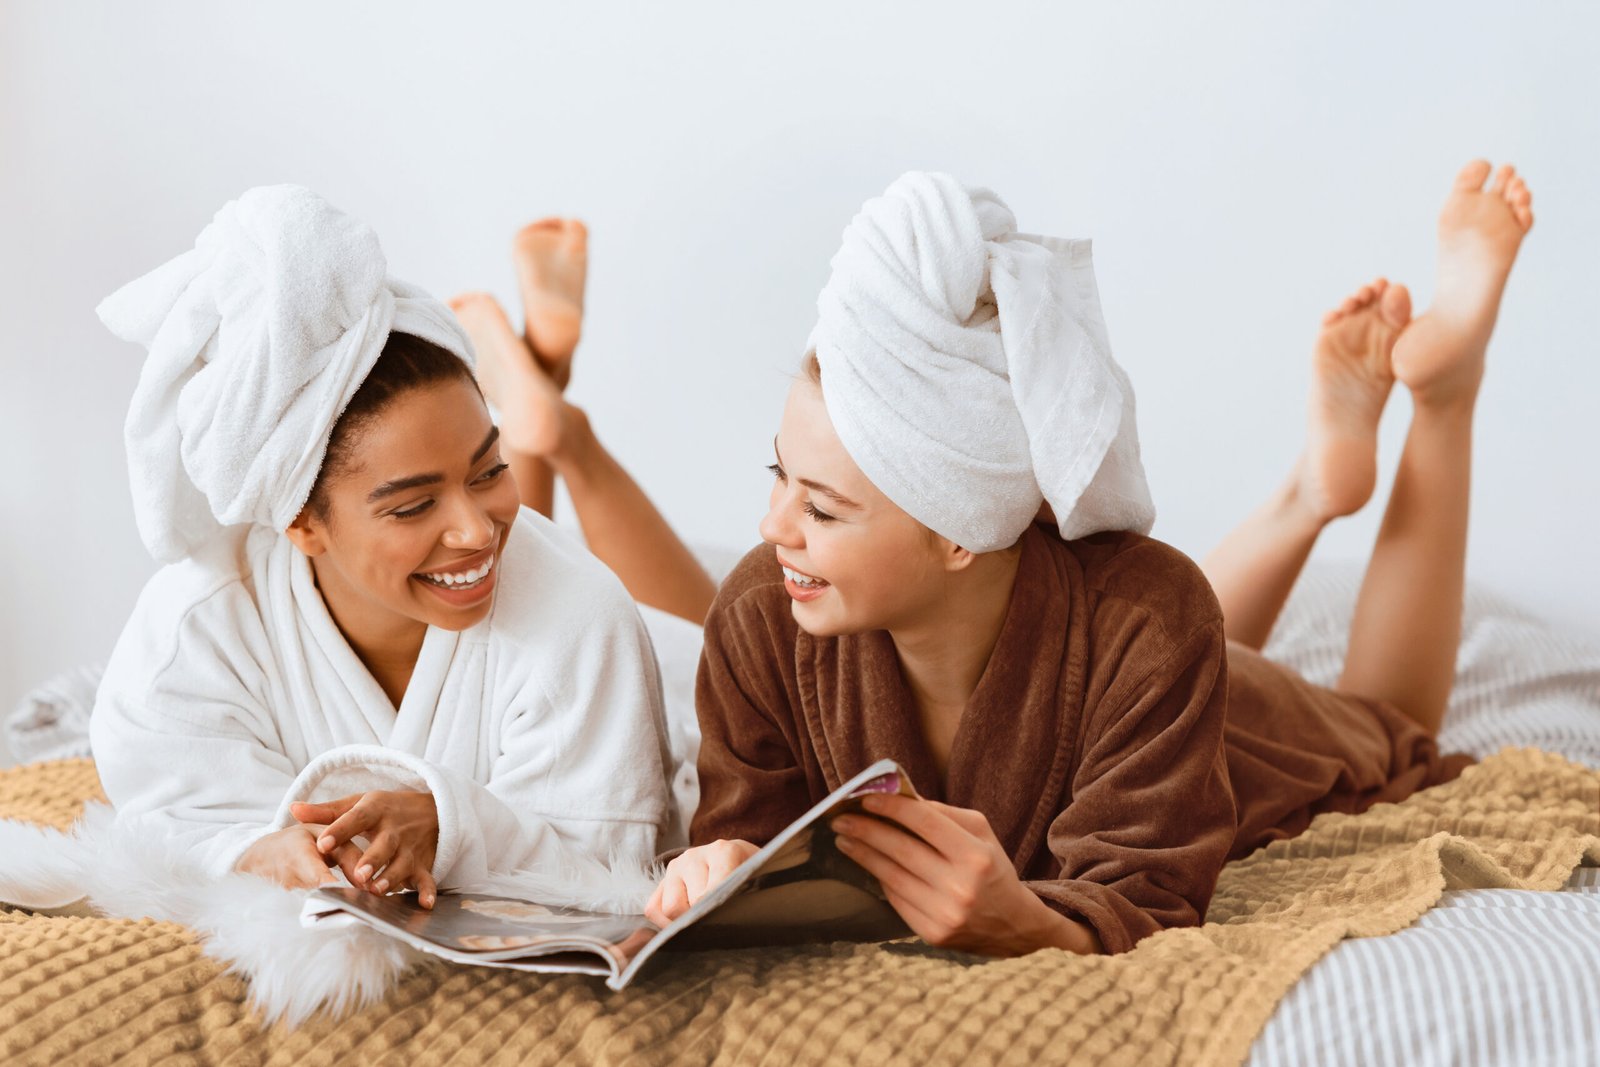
(539, 731)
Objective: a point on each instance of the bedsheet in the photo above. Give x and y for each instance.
(100, 990)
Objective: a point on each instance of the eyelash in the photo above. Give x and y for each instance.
(808, 507)
(487, 476)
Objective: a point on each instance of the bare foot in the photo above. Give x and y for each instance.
(552, 257)
(533, 416)
(1350, 382)
(1440, 355)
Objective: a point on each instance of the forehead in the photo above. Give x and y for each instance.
(435, 427)
(811, 448)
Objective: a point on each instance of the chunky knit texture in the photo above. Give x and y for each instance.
(88, 990)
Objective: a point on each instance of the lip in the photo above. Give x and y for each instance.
(465, 598)
(799, 592)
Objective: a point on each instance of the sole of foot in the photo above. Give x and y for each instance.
(529, 404)
(1440, 356)
(1350, 382)
(552, 260)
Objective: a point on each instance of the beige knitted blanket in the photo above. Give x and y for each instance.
(90, 990)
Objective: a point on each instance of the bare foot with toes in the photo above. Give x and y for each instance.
(1440, 356)
(1351, 379)
(552, 258)
(533, 415)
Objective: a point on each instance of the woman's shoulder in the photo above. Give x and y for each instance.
(1122, 571)
(755, 585)
(551, 589)
(203, 608)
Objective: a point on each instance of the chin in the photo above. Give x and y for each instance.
(824, 623)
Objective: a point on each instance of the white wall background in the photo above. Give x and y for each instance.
(1240, 167)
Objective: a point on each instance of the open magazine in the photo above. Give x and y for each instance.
(798, 888)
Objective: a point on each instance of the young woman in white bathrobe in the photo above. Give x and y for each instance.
(363, 652)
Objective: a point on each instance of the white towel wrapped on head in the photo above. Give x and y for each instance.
(258, 337)
(967, 372)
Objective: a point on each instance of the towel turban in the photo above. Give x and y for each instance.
(258, 338)
(966, 369)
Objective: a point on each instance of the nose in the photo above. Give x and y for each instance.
(470, 529)
(779, 526)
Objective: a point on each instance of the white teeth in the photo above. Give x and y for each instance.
(464, 579)
(801, 579)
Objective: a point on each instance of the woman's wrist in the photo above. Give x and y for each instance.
(1044, 927)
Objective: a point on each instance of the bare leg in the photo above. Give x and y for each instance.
(1407, 624)
(1255, 566)
(541, 430)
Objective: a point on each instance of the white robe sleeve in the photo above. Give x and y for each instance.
(180, 733)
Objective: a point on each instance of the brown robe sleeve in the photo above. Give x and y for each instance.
(751, 783)
(1151, 815)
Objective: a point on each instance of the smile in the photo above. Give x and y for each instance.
(804, 581)
(460, 580)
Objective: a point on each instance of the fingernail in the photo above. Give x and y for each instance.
(872, 803)
(846, 844)
(363, 872)
(326, 842)
(382, 885)
(843, 824)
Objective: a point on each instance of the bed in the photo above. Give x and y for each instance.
(1462, 926)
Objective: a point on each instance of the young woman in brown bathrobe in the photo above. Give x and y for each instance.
(1089, 721)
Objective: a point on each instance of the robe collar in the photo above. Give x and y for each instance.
(1013, 748)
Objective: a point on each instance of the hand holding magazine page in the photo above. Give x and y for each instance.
(798, 888)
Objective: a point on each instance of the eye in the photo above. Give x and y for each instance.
(820, 516)
(413, 511)
(492, 473)
(777, 472)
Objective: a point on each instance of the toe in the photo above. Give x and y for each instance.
(1502, 179)
(1472, 176)
(1396, 305)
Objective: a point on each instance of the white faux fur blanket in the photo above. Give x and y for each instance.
(248, 923)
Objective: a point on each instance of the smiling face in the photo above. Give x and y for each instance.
(854, 561)
(408, 528)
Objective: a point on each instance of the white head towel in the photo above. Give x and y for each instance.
(258, 338)
(966, 369)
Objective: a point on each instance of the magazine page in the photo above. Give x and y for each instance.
(798, 888)
(475, 928)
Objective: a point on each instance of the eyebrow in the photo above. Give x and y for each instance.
(400, 485)
(832, 494)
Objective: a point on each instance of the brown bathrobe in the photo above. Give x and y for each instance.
(1120, 747)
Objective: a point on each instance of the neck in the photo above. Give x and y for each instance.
(386, 643)
(944, 652)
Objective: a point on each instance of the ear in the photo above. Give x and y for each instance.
(954, 557)
(309, 534)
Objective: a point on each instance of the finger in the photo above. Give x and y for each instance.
(358, 820)
(889, 874)
(922, 924)
(653, 911)
(379, 854)
(322, 813)
(695, 877)
(674, 898)
(427, 890)
(926, 821)
(347, 858)
(399, 874)
(974, 822)
(888, 839)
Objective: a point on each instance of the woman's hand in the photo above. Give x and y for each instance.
(951, 880)
(691, 874)
(288, 857)
(402, 832)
